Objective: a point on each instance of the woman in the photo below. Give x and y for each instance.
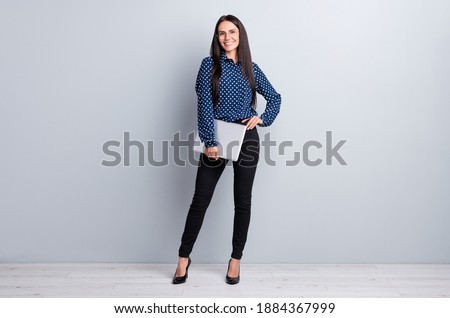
(226, 88)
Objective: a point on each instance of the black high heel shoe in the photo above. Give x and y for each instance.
(232, 280)
(181, 279)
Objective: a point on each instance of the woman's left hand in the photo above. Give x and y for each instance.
(252, 122)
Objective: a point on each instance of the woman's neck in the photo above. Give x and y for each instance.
(232, 55)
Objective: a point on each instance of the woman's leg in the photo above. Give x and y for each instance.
(244, 174)
(208, 173)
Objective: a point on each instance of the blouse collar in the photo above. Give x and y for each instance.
(224, 57)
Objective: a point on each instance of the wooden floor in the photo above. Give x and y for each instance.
(207, 280)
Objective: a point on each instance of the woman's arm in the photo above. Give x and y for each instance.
(205, 106)
(273, 99)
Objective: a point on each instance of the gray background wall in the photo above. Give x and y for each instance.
(76, 74)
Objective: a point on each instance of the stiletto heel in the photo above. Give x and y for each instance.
(181, 279)
(232, 280)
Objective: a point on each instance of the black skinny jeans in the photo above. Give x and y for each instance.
(208, 173)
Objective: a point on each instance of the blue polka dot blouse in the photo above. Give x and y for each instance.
(235, 97)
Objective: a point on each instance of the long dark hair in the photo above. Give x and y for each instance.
(244, 57)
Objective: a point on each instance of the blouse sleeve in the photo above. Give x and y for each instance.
(273, 99)
(205, 106)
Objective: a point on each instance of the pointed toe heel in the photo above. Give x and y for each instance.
(232, 280)
(181, 279)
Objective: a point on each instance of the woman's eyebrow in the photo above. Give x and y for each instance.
(228, 30)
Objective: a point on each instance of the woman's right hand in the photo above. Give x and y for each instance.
(212, 152)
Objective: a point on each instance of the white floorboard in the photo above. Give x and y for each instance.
(207, 280)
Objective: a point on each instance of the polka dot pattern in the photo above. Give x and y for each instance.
(235, 97)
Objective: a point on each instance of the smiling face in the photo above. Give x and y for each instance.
(228, 34)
